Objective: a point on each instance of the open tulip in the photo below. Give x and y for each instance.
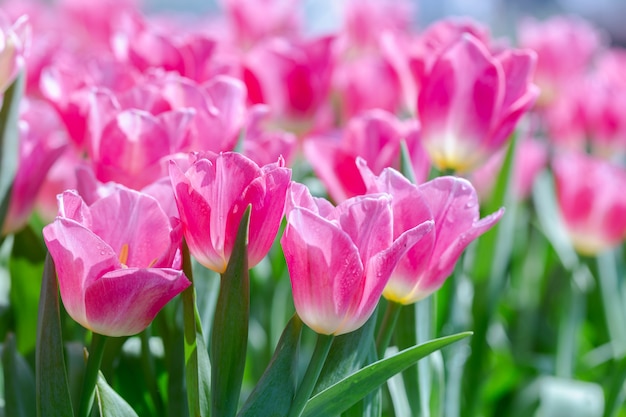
(340, 258)
(212, 195)
(471, 100)
(452, 204)
(117, 260)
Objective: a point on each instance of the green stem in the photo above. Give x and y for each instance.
(312, 373)
(387, 326)
(189, 330)
(568, 329)
(614, 391)
(91, 373)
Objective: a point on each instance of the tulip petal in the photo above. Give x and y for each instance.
(81, 258)
(325, 269)
(134, 220)
(123, 302)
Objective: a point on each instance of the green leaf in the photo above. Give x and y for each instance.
(19, 382)
(26, 268)
(347, 354)
(340, 396)
(110, 403)
(274, 392)
(53, 396)
(196, 361)
(229, 339)
(9, 148)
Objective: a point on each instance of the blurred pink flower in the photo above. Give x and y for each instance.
(452, 204)
(590, 194)
(14, 45)
(262, 143)
(117, 260)
(41, 142)
(212, 195)
(471, 101)
(252, 21)
(531, 156)
(375, 136)
(293, 78)
(565, 46)
(340, 258)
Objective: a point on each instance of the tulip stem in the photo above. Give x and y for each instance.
(311, 375)
(94, 360)
(387, 326)
(189, 331)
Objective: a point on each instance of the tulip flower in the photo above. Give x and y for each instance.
(375, 136)
(41, 142)
(117, 260)
(14, 40)
(340, 258)
(590, 194)
(212, 195)
(471, 101)
(452, 204)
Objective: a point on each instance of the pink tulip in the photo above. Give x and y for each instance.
(263, 144)
(253, 20)
(212, 195)
(531, 156)
(135, 145)
(565, 46)
(14, 44)
(452, 204)
(471, 101)
(117, 260)
(590, 194)
(375, 136)
(292, 77)
(340, 258)
(41, 142)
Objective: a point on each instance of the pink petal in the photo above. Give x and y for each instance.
(325, 270)
(123, 302)
(80, 258)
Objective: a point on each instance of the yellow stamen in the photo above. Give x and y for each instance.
(124, 254)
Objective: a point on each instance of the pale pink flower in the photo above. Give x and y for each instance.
(14, 44)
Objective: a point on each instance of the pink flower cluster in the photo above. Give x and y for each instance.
(142, 116)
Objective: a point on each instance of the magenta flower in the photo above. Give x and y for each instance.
(471, 100)
(117, 260)
(590, 194)
(340, 258)
(212, 195)
(452, 204)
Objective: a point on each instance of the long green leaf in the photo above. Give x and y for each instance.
(274, 392)
(110, 403)
(340, 396)
(19, 382)
(9, 148)
(229, 337)
(53, 396)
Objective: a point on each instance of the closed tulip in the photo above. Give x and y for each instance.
(212, 195)
(340, 258)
